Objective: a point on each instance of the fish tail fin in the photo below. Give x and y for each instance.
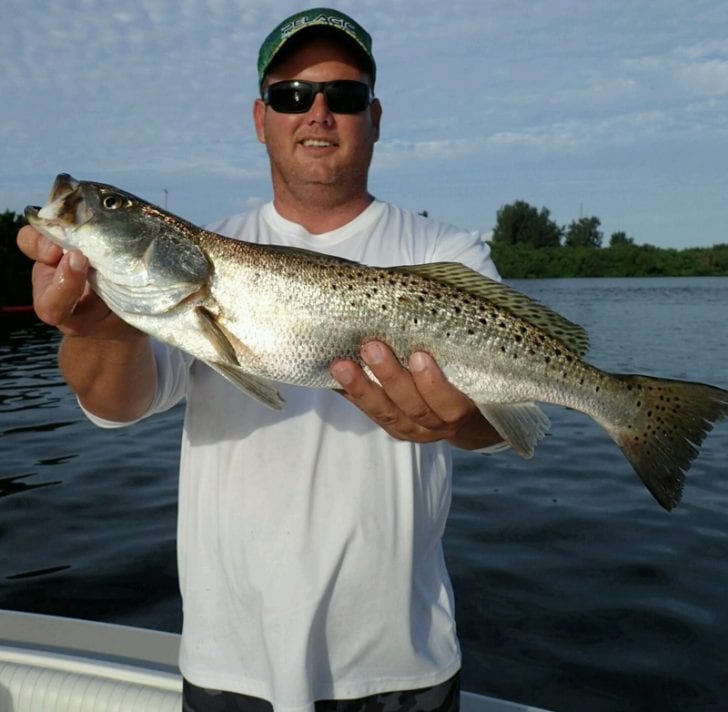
(667, 424)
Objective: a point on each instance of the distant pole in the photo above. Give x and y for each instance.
(166, 195)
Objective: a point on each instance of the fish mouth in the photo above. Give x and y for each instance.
(66, 206)
(62, 186)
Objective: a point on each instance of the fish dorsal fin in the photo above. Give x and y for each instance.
(468, 280)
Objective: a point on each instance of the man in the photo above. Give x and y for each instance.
(309, 541)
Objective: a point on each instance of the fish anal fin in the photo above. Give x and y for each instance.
(521, 425)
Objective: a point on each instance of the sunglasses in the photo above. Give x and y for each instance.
(295, 96)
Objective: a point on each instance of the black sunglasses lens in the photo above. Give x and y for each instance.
(347, 97)
(290, 97)
(296, 97)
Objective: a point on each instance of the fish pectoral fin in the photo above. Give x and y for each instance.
(217, 336)
(228, 366)
(521, 425)
(261, 389)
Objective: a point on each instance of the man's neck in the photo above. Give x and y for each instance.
(321, 215)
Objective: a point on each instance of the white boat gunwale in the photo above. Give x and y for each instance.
(69, 658)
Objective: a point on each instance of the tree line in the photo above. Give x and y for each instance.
(15, 267)
(526, 242)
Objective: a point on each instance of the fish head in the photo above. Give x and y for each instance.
(103, 222)
(131, 245)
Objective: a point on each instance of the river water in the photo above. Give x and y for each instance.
(575, 590)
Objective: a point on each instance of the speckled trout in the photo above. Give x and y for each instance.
(259, 314)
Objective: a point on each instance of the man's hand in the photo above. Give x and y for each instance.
(419, 405)
(61, 294)
(108, 364)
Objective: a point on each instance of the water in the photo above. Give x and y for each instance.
(575, 590)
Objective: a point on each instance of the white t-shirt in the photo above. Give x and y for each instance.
(309, 540)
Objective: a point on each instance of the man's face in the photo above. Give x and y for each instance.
(318, 149)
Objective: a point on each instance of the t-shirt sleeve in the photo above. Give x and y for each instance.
(469, 247)
(173, 368)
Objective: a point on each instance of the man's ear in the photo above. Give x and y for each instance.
(375, 110)
(259, 119)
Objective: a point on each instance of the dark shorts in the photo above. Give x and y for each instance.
(444, 697)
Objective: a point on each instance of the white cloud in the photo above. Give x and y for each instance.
(156, 90)
(707, 78)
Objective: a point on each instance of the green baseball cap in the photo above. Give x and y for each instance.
(319, 17)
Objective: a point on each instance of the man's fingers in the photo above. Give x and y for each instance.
(399, 386)
(59, 281)
(39, 248)
(417, 404)
(365, 394)
(394, 401)
(58, 289)
(441, 396)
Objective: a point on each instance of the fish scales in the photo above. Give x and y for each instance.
(303, 314)
(258, 314)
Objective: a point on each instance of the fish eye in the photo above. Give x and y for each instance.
(112, 202)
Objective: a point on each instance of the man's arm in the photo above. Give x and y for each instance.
(418, 405)
(108, 364)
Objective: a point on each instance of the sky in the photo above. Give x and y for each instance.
(608, 108)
